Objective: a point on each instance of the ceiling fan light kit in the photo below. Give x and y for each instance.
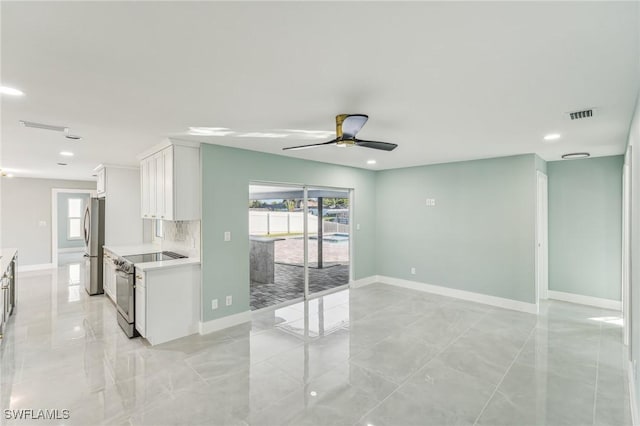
(347, 127)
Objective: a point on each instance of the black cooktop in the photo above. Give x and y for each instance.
(153, 257)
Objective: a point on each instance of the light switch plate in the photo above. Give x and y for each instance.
(214, 304)
(227, 235)
(229, 300)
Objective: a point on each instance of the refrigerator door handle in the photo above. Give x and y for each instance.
(86, 225)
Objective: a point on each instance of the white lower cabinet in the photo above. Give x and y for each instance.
(140, 304)
(167, 302)
(109, 275)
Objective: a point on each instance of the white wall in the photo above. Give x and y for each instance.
(26, 215)
(634, 160)
(123, 222)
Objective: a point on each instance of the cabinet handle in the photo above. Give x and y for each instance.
(153, 215)
(138, 277)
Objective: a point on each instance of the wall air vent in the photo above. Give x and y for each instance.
(43, 126)
(577, 115)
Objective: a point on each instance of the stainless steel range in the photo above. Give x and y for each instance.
(125, 285)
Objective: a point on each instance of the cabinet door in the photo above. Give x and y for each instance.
(145, 188)
(106, 275)
(153, 209)
(167, 160)
(159, 179)
(140, 305)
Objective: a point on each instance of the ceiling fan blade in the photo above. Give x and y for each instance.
(351, 124)
(313, 145)
(384, 146)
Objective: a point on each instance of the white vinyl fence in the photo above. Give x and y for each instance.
(264, 222)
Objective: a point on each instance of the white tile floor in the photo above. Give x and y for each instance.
(378, 355)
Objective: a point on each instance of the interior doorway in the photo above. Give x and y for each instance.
(300, 239)
(67, 210)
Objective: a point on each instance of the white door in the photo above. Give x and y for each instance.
(542, 238)
(626, 245)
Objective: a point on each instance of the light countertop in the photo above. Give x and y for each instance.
(7, 254)
(151, 248)
(134, 249)
(148, 266)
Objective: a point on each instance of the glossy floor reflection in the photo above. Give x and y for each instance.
(377, 355)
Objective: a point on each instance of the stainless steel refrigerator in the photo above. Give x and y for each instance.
(94, 239)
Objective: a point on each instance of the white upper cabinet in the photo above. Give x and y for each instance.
(145, 183)
(170, 182)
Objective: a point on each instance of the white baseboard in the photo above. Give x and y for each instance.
(632, 395)
(38, 267)
(364, 281)
(71, 250)
(586, 300)
(500, 302)
(224, 322)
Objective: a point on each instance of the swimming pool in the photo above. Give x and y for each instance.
(338, 237)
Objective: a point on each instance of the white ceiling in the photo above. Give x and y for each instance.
(445, 81)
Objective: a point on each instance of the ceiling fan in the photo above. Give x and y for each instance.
(347, 126)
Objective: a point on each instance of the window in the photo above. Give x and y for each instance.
(74, 219)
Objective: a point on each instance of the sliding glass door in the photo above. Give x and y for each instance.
(299, 242)
(328, 238)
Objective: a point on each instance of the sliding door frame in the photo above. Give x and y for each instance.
(305, 190)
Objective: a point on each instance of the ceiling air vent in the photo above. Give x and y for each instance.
(577, 115)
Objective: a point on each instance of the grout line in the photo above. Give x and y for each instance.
(503, 376)
(447, 346)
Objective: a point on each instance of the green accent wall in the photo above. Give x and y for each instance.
(480, 235)
(585, 226)
(226, 174)
(63, 222)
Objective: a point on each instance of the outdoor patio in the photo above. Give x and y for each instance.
(289, 271)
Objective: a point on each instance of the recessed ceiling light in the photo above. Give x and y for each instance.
(371, 161)
(73, 137)
(62, 164)
(66, 154)
(11, 91)
(9, 175)
(552, 137)
(576, 155)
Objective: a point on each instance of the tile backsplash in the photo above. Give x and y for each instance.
(182, 237)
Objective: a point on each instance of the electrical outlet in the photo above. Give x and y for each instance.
(214, 304)
(229, 300)
(358, 227)
(413, 271)
(227, 236)
(431, 202)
